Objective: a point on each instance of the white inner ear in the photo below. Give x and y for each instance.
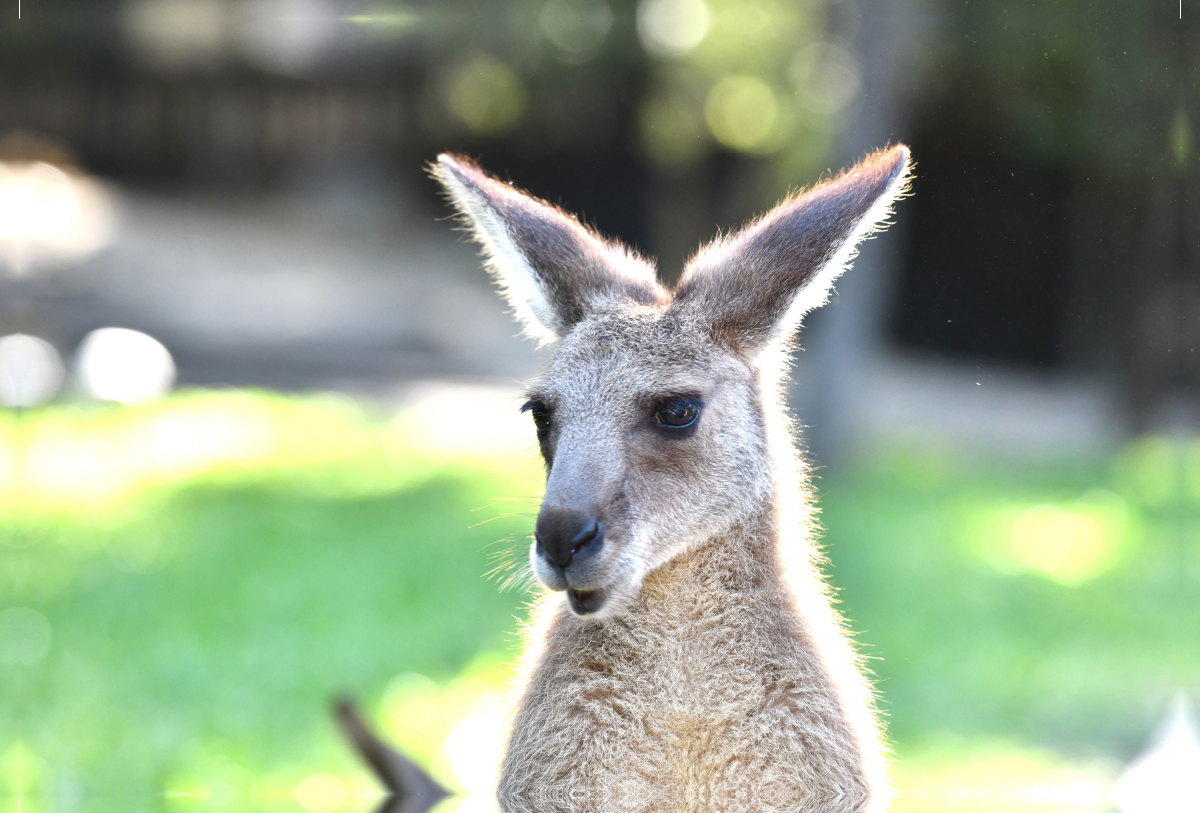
(518, 283)
(815, 292)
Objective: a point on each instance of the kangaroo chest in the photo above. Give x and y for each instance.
(717, 717)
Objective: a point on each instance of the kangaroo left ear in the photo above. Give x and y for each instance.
(752, 288)
(552, 269)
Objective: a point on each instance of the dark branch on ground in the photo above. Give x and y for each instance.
(410, 789)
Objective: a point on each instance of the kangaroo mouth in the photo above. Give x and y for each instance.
(586, 602)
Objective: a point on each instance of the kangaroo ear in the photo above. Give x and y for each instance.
(550, 268)
(753, 287)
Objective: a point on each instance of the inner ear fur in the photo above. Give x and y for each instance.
(552, 269)
(753, 287)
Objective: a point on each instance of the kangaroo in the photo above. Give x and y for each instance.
(687, 656)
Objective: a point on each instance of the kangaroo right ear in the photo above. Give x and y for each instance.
(550, 268)
(752, 288)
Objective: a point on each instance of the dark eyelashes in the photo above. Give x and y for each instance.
(541, 416)
(671, 413)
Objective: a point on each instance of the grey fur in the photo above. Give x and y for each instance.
(715, 676)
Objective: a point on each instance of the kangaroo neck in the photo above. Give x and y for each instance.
(727, 566)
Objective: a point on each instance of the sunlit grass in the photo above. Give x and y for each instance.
(214, 568)
(94, 461)
(455, 728)
(1070, 543)
(1000, 599)
(184, 586)
(996, 777)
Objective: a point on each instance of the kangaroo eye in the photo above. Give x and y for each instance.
(541, 415)
(541, 419)
(678, 414)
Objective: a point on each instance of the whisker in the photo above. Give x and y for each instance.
(492, 519)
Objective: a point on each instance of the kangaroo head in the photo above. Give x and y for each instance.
(652, 414)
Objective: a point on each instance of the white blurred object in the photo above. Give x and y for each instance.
(577, 27)
(176, 34)
(462, 418)
(827, 76)
(118, 364)
(31, 370)
(475, 748)
(672, 28)
(50, 214)
(1166, 777)
(286, 36)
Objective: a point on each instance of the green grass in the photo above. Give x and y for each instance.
(965, 648)
(206, 608)
(208, 621)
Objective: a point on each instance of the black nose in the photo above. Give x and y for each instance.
(568, 536)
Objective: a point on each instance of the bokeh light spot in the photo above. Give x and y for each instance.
(1059, 543)
(31, 371)
(127, 366)
(21, 771)
(577, 27)
(274, 791)
(672, 28)
(672, 128)
(1069, 544)
(286, 36)
(463, 420)
(486, 96)
(176, 34)
(38, 202)
(826, 76)
(475, 746)
(321, 793)
(741, 112)
(50, 214)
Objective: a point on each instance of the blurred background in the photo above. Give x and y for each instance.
(258, 433)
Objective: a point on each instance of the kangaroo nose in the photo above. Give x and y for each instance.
(568, 536)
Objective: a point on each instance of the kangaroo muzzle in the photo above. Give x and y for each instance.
(566, 537)
(566, 552)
